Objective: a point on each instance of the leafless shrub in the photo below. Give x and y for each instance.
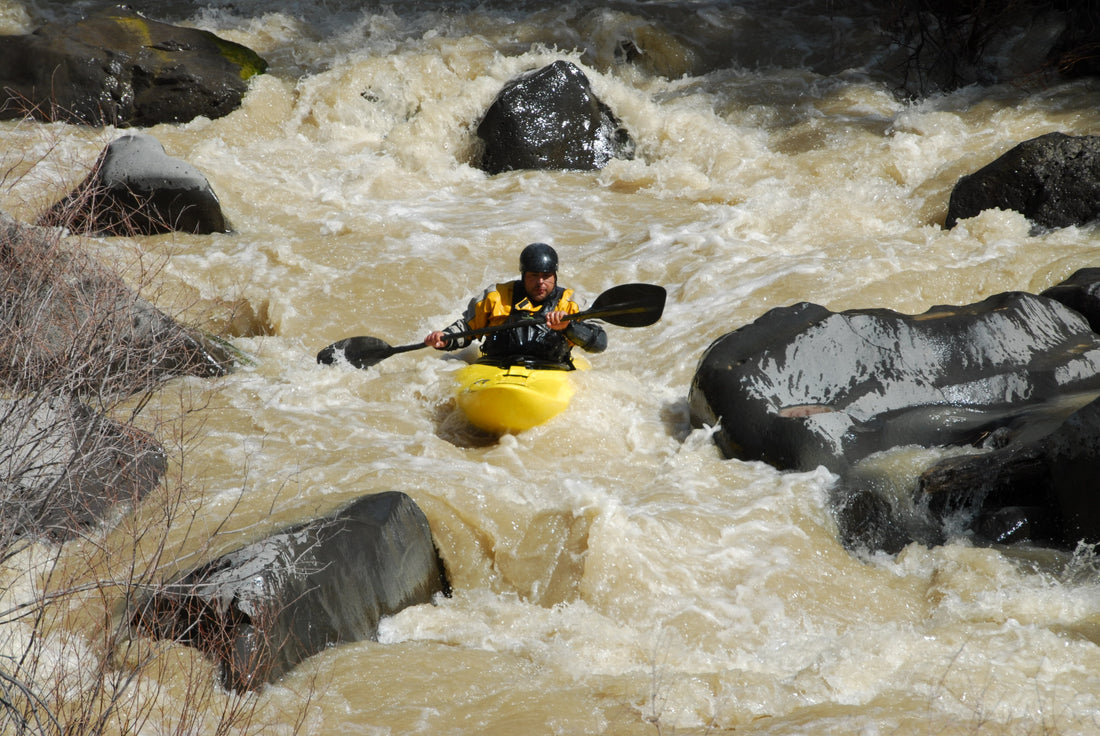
(72, 665)
(65, 321)
(947, 42)
(93, 504)
(1078, 51)
(70, 662)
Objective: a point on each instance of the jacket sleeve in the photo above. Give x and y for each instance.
(476, 316)
(454, 343)
(587, 335)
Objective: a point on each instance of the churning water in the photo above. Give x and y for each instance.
(612, 573)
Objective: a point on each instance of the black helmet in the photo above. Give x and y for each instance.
(539, 258)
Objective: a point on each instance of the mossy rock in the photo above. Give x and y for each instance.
(121, 68)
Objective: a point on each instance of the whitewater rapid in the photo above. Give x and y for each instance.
(612, 574)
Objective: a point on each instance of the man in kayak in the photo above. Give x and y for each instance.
(537, 305)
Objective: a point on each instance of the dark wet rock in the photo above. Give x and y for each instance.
(72, 326)
(65, 467)
(1054, 180)
(550, 118)
(866, 520)
(965, 486)
(802, 386)
(136, 188)
(1081, 293)
(1044, 491)
(1016, 525)
(120, 68)
(262, 609)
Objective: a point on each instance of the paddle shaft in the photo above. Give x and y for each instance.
(470, 334)
(595, 313)
(629, 305)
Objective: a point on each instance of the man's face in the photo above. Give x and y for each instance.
(538, 285)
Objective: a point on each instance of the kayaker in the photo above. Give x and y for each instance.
(538, 305)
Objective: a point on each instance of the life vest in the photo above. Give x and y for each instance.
(532, 340)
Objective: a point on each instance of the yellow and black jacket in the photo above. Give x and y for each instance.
(508, 303)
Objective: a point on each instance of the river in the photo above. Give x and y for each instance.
(612, 573)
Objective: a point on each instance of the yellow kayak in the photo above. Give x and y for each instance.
(511, 398)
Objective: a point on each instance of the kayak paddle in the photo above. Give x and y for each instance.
(628, 305)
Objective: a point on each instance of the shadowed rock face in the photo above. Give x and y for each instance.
(1045, 491)
(64, 467)
(1081, 293)
(549, 118)
(1054, 180)
(138, 189)
(119, 68)
(78, 328)
(264, 608)
(803, 386)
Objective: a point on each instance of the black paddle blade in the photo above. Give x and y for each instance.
(361, 352)
(628, 305)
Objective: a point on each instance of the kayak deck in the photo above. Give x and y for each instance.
(514, 398)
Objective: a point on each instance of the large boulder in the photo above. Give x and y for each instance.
(70, 325)
(261, 610)
(1054, 180)
(136, 188)
(65, 467)
(120, 68)
(802, 386)
(549, 118)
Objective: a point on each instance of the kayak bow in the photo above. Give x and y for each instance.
(513, 398)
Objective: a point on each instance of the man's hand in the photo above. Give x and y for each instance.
(437, 340)
(557, 320)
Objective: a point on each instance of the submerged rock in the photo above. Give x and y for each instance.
(549, 118)
(65, 467)
(120, 68)
(1041, 491)
(266, 607)
(73, 326)
(1054, 180)
(136, 188)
